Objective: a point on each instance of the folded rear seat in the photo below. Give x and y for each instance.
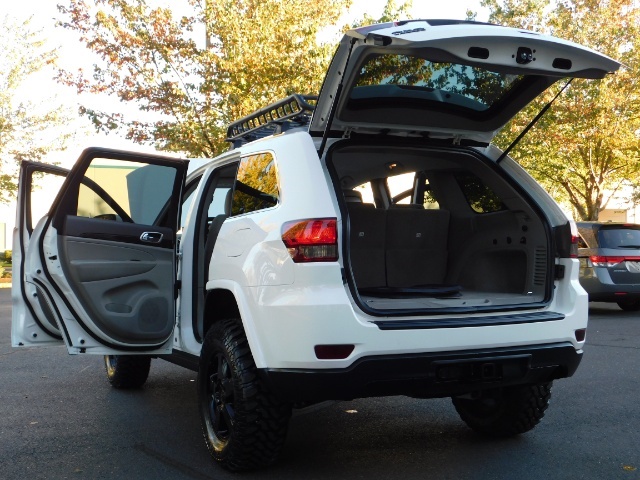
(405, 246)
(416, 246)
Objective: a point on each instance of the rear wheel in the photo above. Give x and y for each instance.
(629, 305)
(507, 411)
(244, 424)
(127, 371)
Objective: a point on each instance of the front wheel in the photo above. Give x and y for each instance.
(127, 371)
(243, 423)
(505, 412)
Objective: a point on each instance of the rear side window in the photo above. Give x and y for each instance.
(481, 198)
(401, 188)
(257, 184)
(619, 238)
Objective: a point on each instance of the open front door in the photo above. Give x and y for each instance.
(99, 269)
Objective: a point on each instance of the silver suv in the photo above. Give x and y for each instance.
(367, 243)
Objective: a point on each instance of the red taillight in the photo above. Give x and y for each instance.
(314, 240)
(604, 261)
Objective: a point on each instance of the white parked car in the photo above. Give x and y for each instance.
(371, 243)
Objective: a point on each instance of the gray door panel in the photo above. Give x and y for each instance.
(122, 287)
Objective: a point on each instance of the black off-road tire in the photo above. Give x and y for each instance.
(505, 412)
(629, 305)
(127, 371)
(243, 423)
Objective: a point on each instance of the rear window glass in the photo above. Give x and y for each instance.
(404, 76)
(480, 197)
(619, 238)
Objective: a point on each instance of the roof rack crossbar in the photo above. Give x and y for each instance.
(295, 109)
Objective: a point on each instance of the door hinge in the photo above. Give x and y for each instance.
(178, 286)
(559, 272)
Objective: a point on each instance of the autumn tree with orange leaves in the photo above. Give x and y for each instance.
(187, 89)
(586, 148)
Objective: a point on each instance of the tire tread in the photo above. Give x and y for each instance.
(261, 418)
(521, 408)
(130, 371)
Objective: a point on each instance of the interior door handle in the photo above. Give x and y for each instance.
(151, 237)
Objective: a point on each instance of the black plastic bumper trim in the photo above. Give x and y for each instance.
(469, 321)
(427, 375)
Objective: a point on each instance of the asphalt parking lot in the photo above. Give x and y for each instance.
(59, 418)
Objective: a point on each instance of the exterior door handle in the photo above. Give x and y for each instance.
(151, 237)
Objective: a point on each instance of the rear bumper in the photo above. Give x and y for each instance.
(603, 290)
(427, 375)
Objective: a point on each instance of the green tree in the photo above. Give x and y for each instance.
(187, 91)
(28, 130)
(586, 147)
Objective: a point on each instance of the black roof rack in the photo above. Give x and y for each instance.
(293, 111)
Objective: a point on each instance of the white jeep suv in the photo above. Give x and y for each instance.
(369, 242)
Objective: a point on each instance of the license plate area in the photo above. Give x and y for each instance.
(481, 370)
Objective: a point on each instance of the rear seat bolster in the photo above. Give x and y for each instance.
(367, 244)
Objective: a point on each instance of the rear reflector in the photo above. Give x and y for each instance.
(581, 334)
(313, 240)
(333, 352)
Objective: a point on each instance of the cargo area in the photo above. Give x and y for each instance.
(437, 228)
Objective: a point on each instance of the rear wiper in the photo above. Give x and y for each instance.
(628, 246)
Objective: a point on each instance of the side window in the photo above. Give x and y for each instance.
(428, 200)
(220, 196)
(256, 185)
(366, 192)
(217, 199)
(581, 242)
(401, 188)
(481, 198)
(125, 191)
(425, 194)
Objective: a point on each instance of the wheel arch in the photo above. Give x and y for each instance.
(227, 302)
(219, 305)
